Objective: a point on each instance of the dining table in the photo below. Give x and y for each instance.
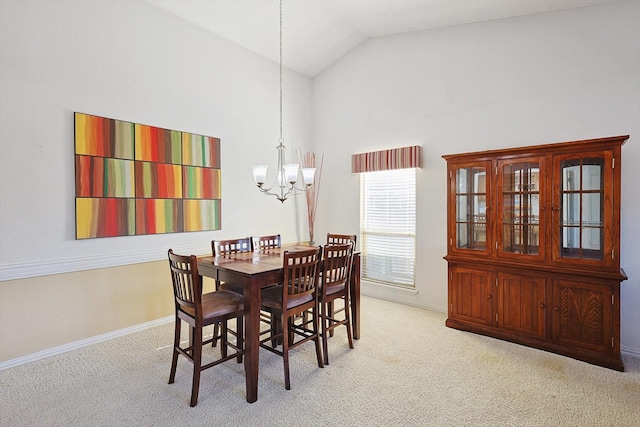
(254, 271)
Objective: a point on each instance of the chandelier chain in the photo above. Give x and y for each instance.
(286, 174)
(281, 140)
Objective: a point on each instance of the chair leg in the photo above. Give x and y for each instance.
(325, 347)
(223, 338)
(348, 323)
(290, 335)
(216, 327)
(191, 338)
(174, 358)
(331, 315)
(314, 322)
(276, 328)
(240, 335)
(197, 365)
(285, 353)
(216, 332)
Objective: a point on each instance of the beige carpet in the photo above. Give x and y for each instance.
(407, 370)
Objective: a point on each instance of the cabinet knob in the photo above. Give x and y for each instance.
(543, 305)
(556, 308)
(488, 296)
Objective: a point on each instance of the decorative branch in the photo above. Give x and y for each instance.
(308, 160)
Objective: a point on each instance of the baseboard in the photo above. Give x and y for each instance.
(364, 292)
(82, 343)
(633, 352)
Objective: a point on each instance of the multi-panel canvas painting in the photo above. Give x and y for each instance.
(134, 179)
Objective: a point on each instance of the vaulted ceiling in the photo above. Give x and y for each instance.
(316, 33)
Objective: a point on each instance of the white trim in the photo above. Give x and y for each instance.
(389, 287)
(83, 343)
(635, 352)
(69, 265)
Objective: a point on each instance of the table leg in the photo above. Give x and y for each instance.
(354, 288)
(252, 340)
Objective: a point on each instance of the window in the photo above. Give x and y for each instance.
(388, 226)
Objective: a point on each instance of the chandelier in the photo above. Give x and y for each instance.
(286, 173)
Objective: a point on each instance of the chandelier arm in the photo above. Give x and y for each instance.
(292, 190)
(282, 196)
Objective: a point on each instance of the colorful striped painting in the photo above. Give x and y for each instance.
(201, 183)
(202, 215)
(158, 180)
(99, 136)
(134, 179)
(158, 145)
(198, 150)
(104, 177)
(155, 216)
(104, 217)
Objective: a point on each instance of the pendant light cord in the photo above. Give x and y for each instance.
(281, 140)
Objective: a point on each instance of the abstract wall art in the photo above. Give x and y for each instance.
(134, 179)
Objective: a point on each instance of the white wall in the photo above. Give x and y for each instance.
(129, 60)
(531, 80)
(538, 79)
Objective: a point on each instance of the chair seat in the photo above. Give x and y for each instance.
(335, 289)
(231, 287)
(272, 298)
(218, 304)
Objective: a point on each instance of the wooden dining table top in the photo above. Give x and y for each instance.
(253, 262)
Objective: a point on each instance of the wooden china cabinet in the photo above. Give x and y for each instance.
(534, 246)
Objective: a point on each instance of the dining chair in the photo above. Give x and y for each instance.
(230, 247)
(298, 294)
(339, 239)
(334, 285)
(198, 311)
(261, 243)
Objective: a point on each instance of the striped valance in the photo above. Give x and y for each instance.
(397, 158)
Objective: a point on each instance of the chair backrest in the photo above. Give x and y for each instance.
(266, 242)
(224, 247)
(336, 266)
(187, 287)
(301, 274)
(341, 239)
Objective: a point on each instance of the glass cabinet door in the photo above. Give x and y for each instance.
(582, 206)
(471, 190)
(520, 223)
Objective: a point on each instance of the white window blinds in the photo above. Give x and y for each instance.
(388, 226)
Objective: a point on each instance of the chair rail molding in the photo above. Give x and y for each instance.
(92, 262)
